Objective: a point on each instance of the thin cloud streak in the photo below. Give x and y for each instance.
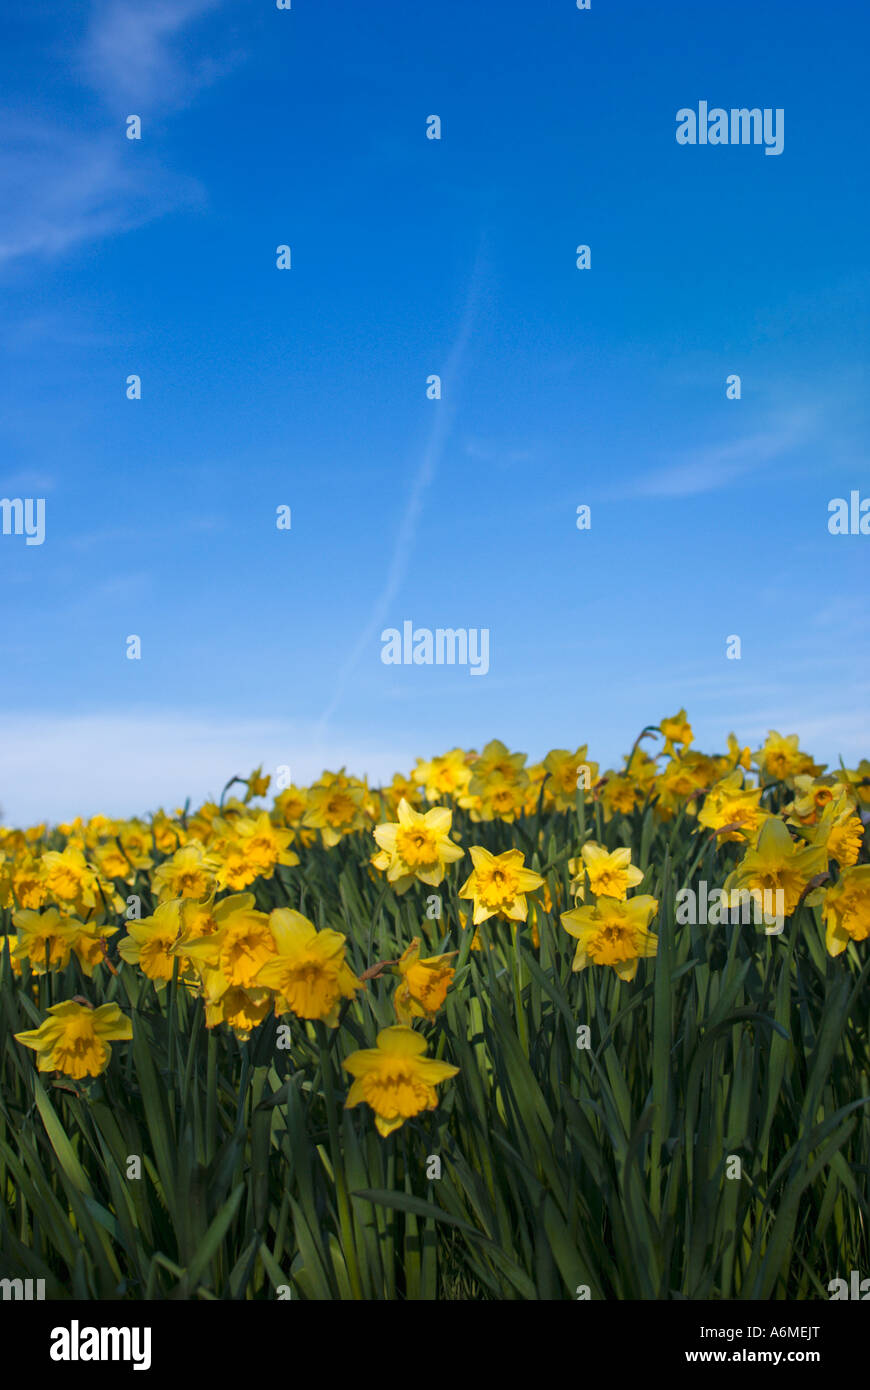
(404, 542)
(718, 465)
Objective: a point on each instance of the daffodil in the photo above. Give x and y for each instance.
(5, 880)
(739, 755)
(308, 973)
(137, 843)
(610, 872)
(568, 774)
(401, 789)
(257, 783)
(859, 780)
(499, 799)
(447, 775)
(846, 909)
(678, 786)
(150, 942)
(242, 943)
(372, 805)
(619, 794)
(497, 761)
(394, 1078)
(243, 1010)
(845, 838)
(12, 841)
(840, 831)
(424, 983)
(190, 873)
(676, 729)
(776, 863)
(89, 943)
(59, 933)
(8, 943)
(236, 869)
(98, 828)
(814, 796)
(74, 1039)
(265, 845)
(537, 776)
(112, 862)
(201, 821)
(641, 768)
(199, 919)
(613, 933)
(499, 884)
(335, 807)
(781, 759)
(731, 809)
(69, 878)
(417, 846)
(45, 939)
(291, 805)
(165, 832)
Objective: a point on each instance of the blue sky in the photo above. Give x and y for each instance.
(307, 387)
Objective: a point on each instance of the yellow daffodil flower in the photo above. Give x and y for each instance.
(74, 1039)
(308, 973)
(424, 984)
(569, 773)
(676, 729)
(731, 804)
(610, 872)
(499, 884)
(417, 846)
(613, 933)
(775, 863)
(846, 909)
(394, 1078)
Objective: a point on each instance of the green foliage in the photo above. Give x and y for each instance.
(560, 1166)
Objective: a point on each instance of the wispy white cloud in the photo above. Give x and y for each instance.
(491, 451)
(30, 331)
(56, 767)
(826, 734)
(60, 188)
(715, 466)
(62, 185)
(27, 482)
(130, 53)
(844, 618)
(135, 535)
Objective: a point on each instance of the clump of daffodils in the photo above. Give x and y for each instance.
(209, 900)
